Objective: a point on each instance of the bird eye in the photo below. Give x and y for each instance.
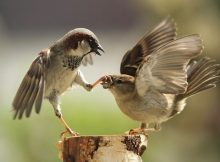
(92, 43)
(119, 81)
(90, 40)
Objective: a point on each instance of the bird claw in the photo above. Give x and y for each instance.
(144, 131)
(63, 137)
(106, 81)
(89, 87)
(60, 143)
(70, 132)
(68, 129)
(103, 80)
(136, 131)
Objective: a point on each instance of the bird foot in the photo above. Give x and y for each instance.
(106, 78)
(63, 137)
(144, 131)
(70, 132)
(89, 87)
(68, 129)
(136, 131)
(106, 81)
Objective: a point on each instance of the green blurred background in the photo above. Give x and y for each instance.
(27, 26)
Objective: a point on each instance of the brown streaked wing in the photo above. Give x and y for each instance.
(166, 69)
(40, 96)
(159, 36)
(30, 90)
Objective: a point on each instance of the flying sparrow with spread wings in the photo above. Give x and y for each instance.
(54, 71)
(156, 76)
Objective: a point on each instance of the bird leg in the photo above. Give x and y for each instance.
(54, 100)
(157, 127)
(80, 80)
(68, 129)
(145, 129)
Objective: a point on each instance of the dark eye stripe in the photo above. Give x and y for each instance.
(92, 43)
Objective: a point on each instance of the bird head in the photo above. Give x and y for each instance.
(81, 42)
(119, 84)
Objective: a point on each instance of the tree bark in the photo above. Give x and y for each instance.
(118, 148)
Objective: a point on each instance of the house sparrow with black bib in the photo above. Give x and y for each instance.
(54, 71)
(156, 76)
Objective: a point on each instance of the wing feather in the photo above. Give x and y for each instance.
(32, 87)
(162, 34)
(33, 94)
(28, 93)
(166, 69)
(40, 96)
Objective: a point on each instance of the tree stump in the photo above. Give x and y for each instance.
(117, 148)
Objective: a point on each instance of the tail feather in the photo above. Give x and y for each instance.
(201, 75)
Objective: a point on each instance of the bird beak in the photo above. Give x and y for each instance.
(98, 48)
(95, 50)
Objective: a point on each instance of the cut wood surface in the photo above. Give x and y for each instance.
(116, 148)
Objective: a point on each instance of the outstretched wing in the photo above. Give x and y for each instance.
(166, 69)
(32, 86)
(159, 36)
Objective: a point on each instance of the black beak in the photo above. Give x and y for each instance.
(99, 48)
(96, 50)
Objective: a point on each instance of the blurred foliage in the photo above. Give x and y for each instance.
(191, 136)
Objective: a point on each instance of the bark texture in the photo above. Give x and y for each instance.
(118, 148)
